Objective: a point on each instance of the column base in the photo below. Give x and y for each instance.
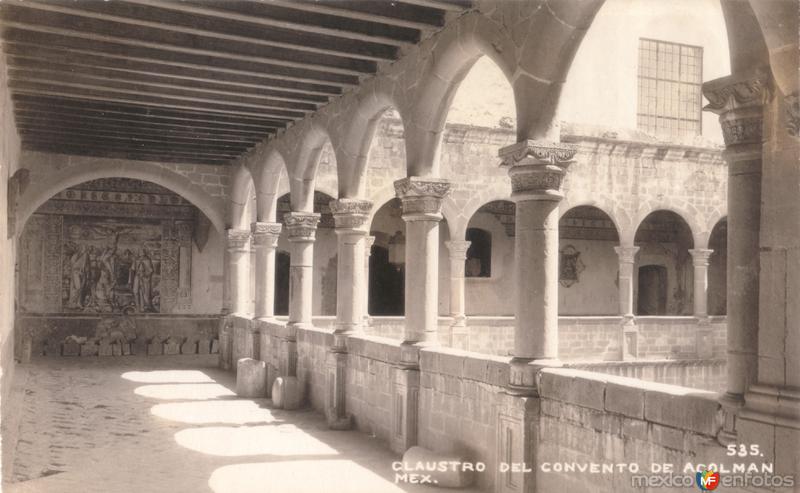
(522, 374)
(773, 405)
(731, 404)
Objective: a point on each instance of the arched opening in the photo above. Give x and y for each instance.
(282, 282)
(490, 259)
(325, 258)
(588, 264)
(387, 261)
(718, 269)
(665, 272)
(104, 253)
(479, 253)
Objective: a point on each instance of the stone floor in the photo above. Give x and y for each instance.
(173, 424)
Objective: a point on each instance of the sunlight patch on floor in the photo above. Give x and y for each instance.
(277, 439)
(167, 376)
(234, 412)
(184, 391)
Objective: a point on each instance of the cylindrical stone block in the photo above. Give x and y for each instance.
(286, 393)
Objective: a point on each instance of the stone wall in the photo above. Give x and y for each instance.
(9, 164)
(463, 408)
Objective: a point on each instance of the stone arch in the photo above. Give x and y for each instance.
(40, 192)
(302, 172)
(451, 58)
(352, 134)
(267, 176)
(606, 209)
(242, 189)
(712, 222)
(687, 212)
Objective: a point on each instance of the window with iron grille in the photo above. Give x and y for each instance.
(670, 97)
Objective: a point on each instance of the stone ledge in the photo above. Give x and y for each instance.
(680, 408)
(484, 368)
(315, 336)
(376, 348)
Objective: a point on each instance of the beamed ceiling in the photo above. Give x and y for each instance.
(196, 81)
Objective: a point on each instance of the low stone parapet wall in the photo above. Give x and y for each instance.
(706, 374)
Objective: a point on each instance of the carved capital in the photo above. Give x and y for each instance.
(700, 256)
(265, 234)
(350, 213)
(301, 226)
(627, 254)
(422, 197)
(793, 114)
(739, 100)
(536, 168)
(238, 240)
(368, 242)
(458, 249)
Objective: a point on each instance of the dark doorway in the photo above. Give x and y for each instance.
(386, 284)
(652, 290)
(281, 283)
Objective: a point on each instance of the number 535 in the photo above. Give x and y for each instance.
(743, 450)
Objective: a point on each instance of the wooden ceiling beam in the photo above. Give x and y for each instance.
(92, 81)
(121, 154)
(393, 14)
(80, 41)
(71, 139)
(25, 117)
(79, 23)
(157, 80)
(92, 58)
(301, 22)
(68, 135)
(148, 114)
(35, 126)
(153, 16)
(105, 95)
(451, 6)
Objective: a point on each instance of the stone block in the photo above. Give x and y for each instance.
(70, 349)
(116, 349)
(625, 399)
(287, 393)
(573, 386)
(104, 349)
(697, 411)
(215, 346)
(666, 436)
(251, 378)
(89, 349)
(171, 348)
(139, 346)
(155, 349)
(204, 346)
(189, 347)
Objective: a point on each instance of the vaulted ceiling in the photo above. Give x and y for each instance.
(196, 81)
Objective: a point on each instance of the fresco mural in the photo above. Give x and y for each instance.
(111, 265)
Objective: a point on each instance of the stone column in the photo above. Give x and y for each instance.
(265, 240)
(351, 217)
(458, 257)
(627, 258)
(536, 170)
(239, 258)
(739, 101)
(629, 344)
(368, 242)
(700, 258)
(422, 204)
(302, 229)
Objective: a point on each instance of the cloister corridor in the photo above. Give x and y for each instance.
(170, 424)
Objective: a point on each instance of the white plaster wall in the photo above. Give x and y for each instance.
(601, 87)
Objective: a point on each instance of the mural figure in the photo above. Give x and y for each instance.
(142, 273)
(79, 267)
